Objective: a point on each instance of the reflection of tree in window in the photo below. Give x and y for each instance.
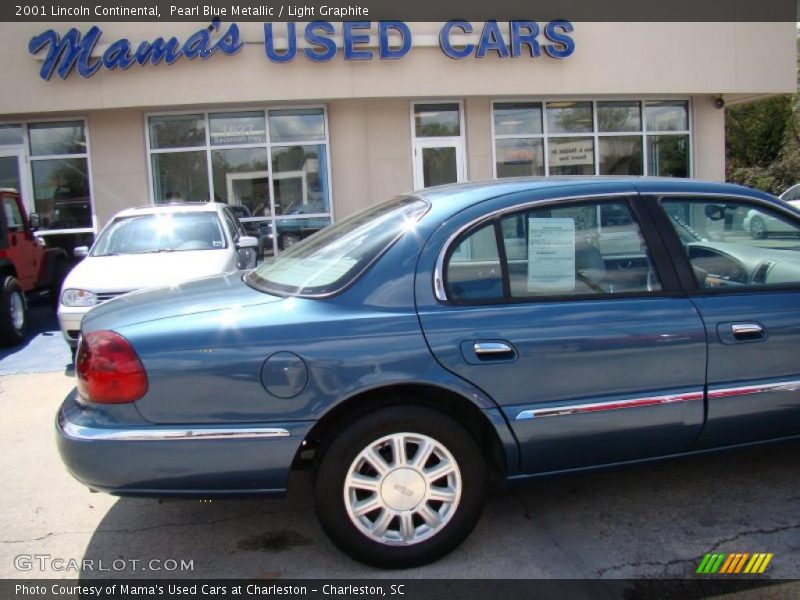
(668, 155)
(61, 193)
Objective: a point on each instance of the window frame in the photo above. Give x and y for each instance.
(268, 144)
(595, 134)
(658, 253)
(27, 191)
(680, 258)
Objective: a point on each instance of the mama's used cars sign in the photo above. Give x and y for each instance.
(321, 44)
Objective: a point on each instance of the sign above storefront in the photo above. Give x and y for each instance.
(319, 42)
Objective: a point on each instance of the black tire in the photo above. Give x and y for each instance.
(60, 270)
(340, 454)
(11, 295)
(758, 229)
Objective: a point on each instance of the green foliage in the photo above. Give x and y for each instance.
(762, 142)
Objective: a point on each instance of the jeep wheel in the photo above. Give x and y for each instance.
(13, 316)
(400, 487)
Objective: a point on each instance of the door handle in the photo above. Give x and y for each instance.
(745, 332)
(490, 348)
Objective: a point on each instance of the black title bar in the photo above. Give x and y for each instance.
(407, 10)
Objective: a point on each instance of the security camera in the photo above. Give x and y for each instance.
(719, 102)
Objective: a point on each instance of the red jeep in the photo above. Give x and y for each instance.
(25, 266)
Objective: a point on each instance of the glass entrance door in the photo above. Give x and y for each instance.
(438, 144)
(437, 163)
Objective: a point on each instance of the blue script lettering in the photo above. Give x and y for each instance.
(66, 52)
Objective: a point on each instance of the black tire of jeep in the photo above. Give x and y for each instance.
(9, 334)
(60, 270)
(334, 465)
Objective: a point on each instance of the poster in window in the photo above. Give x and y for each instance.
(551, 255)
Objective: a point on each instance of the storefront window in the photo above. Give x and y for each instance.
(603, 137)
(571, 156)
(299, 186)
(437, 120)
(265, 163)
(177, 131)
(241, 178)
(237, 128)
(569, 117)
(10, 135)
(667, 115)
(668, 155)
(621, 155)
(619, 116)
(298, 125)
(180, 176)
(60, 175)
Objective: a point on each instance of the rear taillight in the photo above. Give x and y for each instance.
(108, 370)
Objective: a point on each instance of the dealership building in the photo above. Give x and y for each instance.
(303, 124)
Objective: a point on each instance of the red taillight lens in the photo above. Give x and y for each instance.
(108, 370)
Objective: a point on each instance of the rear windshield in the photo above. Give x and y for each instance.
(337, 255)
(161, 232)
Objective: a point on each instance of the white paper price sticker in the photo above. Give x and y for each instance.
(551, 255)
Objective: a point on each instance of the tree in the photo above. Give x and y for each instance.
(762, 142)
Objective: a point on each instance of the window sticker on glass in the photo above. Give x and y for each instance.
(551, 255)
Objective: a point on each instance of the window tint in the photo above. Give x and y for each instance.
(584, 248)
(732, 244)
(473, 270)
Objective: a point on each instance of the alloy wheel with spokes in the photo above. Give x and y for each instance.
(402, 488)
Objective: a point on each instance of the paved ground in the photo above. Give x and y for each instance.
(651, 521)
(44, 349)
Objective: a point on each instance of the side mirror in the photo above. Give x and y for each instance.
(80, 251)
(33, 219)
(247, 241)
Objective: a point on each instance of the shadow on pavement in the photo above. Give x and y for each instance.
(44, 348)
(647, 521)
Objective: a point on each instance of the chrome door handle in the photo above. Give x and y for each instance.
(747, 331)
(491, 348)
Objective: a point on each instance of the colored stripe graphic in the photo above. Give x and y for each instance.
(734, 563)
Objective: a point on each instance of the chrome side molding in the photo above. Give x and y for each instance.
(783, 386)
(79, 432)
(612, 405)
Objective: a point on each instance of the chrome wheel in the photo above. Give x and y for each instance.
(758, 229)
(402, 489)
(17, 309)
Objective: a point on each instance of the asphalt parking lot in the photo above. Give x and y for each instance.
(650, 521)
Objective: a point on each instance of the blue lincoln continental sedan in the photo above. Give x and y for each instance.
(429, 347)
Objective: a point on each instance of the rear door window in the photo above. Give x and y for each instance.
(584, 248)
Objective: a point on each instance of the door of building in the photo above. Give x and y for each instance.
(438, 144)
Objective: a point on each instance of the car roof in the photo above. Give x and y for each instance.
(173, 207)
(459, 196)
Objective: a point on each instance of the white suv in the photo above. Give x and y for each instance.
(153, 246)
